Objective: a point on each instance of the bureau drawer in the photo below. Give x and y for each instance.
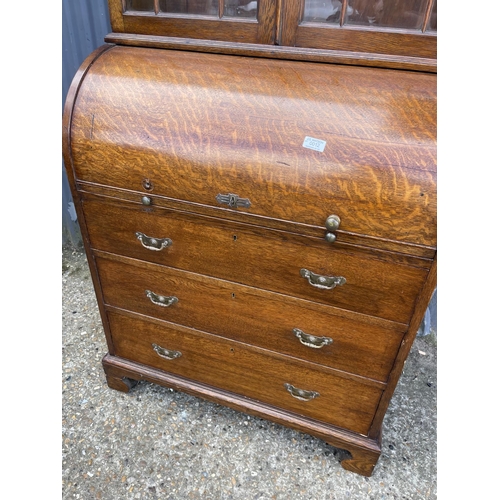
(262, 258)
(205, 125)
(345, 341)
(246, 371)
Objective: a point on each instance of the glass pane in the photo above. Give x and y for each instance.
(433, 20)
(200, 7)
(322, 11)
(386, 13)
(241, 8)
(142, 5)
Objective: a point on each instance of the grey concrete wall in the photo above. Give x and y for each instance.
(85, 23)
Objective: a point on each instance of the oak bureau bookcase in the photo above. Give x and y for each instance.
(255, 183)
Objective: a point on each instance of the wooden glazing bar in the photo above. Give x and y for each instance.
(427, 15)
(342, 12)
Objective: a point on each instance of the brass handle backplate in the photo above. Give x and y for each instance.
(161, 300)
(323, 282)
(312, 340)
(166, 353)
(301, 393)
(153, 243)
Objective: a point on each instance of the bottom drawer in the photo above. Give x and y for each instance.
(251, 372)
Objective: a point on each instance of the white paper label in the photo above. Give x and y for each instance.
(316, 144)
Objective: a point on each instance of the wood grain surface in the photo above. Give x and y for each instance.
(409, 43)
(198, 26)
(380, 248)
(334, 56)
(199, 125)
(245, 371)
(122, 374)
(183, 127)
(394, 42)
(360, 345)
(257, 257)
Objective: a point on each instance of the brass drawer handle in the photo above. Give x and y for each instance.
(153, 243)
(323, 282)
(312, 340)
(160, 300)
(233, 200)
(166, 353)
(301, 393)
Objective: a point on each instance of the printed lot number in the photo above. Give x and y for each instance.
(315, 144)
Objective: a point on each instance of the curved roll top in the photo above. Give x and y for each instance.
(296, 141)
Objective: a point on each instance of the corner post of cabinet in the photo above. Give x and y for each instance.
(116, 10)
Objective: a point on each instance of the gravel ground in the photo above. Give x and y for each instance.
(156, 443)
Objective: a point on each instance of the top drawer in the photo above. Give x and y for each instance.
(202, 125)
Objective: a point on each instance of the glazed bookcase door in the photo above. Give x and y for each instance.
(243, 21)
(398, 29)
